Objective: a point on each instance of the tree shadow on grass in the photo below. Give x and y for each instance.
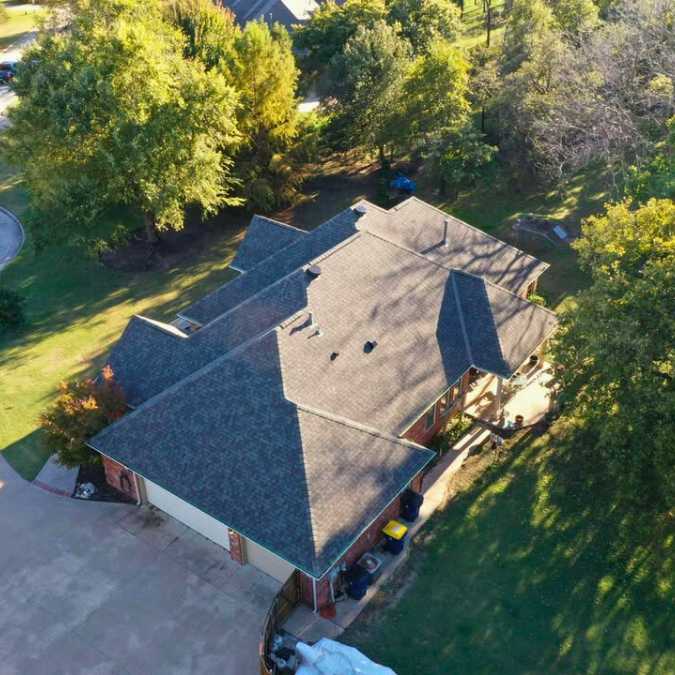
(541, 567)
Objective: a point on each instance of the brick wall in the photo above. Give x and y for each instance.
(120, 478)
(367, 541)
(237, 547)
(419, 433)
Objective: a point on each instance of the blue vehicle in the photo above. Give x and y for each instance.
(403, 184)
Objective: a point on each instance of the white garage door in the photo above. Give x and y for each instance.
(267, 562)
(188, 514)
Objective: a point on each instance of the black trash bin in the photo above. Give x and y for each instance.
(411, 503)
(357, 579)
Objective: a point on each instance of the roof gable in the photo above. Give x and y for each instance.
(264, 237)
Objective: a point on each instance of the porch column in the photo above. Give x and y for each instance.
(498, 397)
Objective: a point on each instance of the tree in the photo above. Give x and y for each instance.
(603, 98)
(331, 26)
(210, 32)
(617, 345)
(574, 16)
(366, 81)
(425, 21)
(82, 409)
(265, 76)
(434, 100)
(656, 177)
(110, 112)
(529, 24)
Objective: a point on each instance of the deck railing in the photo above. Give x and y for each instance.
(283, 604)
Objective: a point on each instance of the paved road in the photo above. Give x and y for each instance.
(11, 237)
(108, 589)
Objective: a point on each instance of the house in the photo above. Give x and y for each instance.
(283, 414)
(286, 12)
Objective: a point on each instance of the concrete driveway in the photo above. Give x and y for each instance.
(101, 588)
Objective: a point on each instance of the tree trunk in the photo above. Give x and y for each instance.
(150, 229)
(482, 119)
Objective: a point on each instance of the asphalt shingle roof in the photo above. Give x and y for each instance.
(302, 483)
(264, 237)
(149, 356)
(418, 226)
(264, 416)
(233, 293)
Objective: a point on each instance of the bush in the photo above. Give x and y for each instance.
(82, 409)
(11, 309)
(452, 432)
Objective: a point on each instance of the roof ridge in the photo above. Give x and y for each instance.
(243, 302)
(281, 223)
(345, 421)
(505, 290)
(462, 321)
(188, 378)
(473, 227)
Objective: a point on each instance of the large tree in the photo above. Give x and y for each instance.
(265, 76)
(111, 112)
(434, 97)
(424, 22)
(332, 26)
(366, 83)
(617, 345)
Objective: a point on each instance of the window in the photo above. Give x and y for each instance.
(430, 418)
(446, 401)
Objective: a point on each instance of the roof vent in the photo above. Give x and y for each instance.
(361, 209)
(369, 346)
(334, 355)
(446, 222)
(313, 271)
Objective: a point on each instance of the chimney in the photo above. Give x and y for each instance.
(446, 222)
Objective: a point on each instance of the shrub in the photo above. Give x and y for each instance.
(452, 432)
(82, 409)
(11, 309)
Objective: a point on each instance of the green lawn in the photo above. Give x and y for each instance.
(20, 21)
(536, 568)
(76, 309)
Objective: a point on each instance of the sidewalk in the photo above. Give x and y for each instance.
(56, 479)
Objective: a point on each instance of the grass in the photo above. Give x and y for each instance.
(18, 23)
(537, 568)
(76, 309)
(475, 31)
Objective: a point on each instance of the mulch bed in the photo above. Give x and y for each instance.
(95, 474)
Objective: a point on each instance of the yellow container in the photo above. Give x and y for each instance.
(395, 530)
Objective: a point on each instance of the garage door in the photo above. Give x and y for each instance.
(188, 514)
(267, 562)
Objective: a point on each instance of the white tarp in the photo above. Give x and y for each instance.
(328, 657)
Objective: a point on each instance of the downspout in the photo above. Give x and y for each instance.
(316, 602)
(139, 499)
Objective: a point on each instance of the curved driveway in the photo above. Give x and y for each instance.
(112, 589)
(11, 237)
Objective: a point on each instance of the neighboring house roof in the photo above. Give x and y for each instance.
(280, 374)
(264, 237)
(286, 12)
(300, 482)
